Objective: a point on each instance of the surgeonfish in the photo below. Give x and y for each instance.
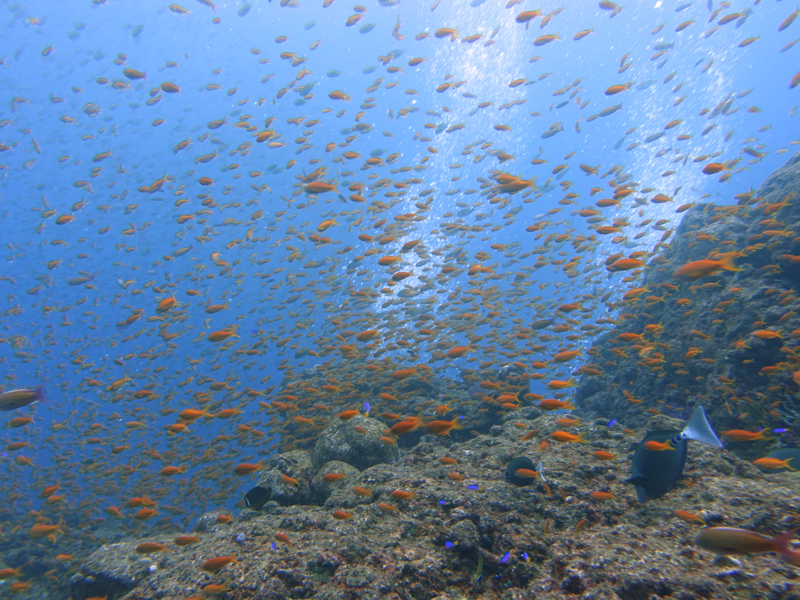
(655, 473)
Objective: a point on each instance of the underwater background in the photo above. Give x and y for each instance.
(226, 224)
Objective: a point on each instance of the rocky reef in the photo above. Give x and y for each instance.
(354, 514)
(727, 341)
(461, 531)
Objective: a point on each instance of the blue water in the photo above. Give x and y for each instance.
(60, 114)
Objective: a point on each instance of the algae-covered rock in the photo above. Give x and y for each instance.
(341, 441)
(726, 340)
(289, 478)
(340, 476)
(111, 571)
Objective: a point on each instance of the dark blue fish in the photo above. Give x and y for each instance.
(257, 497)
(654, 473)
(522, 462)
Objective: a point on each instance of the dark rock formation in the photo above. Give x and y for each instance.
(341, 441)
(697, 344)
(466, 533)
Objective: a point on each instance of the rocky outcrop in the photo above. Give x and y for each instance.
(700, 340)
(464, 532)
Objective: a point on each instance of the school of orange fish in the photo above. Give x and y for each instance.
(162, 370)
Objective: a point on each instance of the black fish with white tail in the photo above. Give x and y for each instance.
(654, 473)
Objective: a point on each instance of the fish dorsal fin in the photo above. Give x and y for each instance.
(699, 429)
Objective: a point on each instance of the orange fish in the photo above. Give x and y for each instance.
(151, 547)
(282, 537)
(191, 414)
(704, 268)
(349, 414)
(8, 573)
(740, 435)
(440, 428)
(689, 517)
(185, 540)
(327, 224)
(713, 168)
(553, 404)
(212, 565)
(145, 513)
(731, 540)
(248, 468)
(601, 496)
(402, 495)
(563, 436)
(319, 187)
(17, 422)
(458, 351)
(773, 463)
(560, 385)
(767, 334)
(219, 336)
(211, 590)
(367, 335)
(404, 373)
(528, 474)
(406, 425)
(113, 511)
(40, 530)
(169, 471)
(49, 491)
(289, 480)
(603, 455)
(566, 356)
(170, 88)
(656, 446)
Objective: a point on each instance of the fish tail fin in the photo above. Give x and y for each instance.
(699, 429)
(727, 261)
(782, 547)
(570, 405)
